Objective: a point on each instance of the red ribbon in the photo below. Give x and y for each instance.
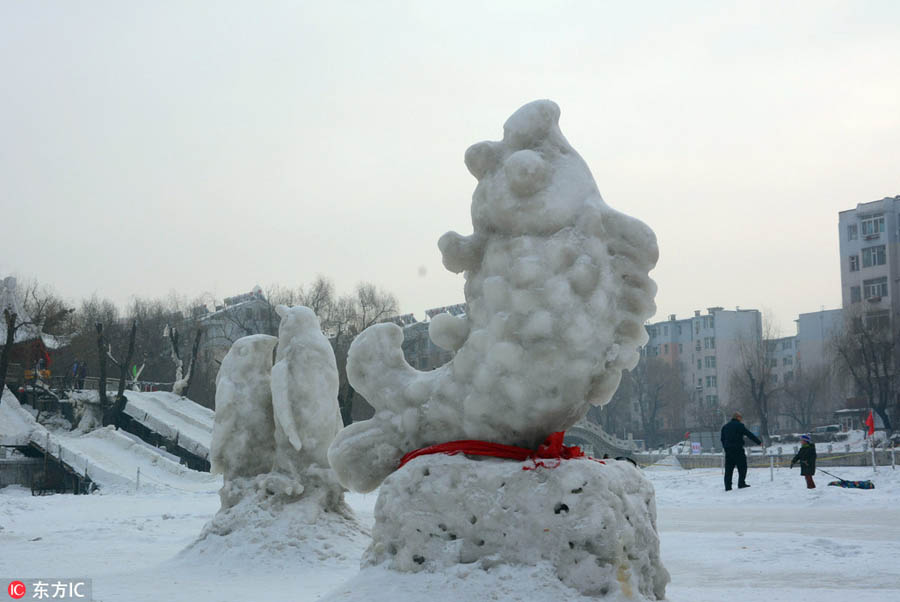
(551, 449)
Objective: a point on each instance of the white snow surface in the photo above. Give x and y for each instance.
(16, 424)
(776, 541)
(557, 290)
(174, 417)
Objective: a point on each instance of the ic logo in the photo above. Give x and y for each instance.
(16, 590)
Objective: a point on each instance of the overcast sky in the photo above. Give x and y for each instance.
(206, 147)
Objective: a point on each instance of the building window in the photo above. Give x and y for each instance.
(873, 256)
(698, 345)
(788, 344)
(851, 232)
(711, 381)
(699, 365)
(854, 263)
(710, 361)
(787, 361)
(665, 331)
(680, 348)
(877, 287)
(773, 363)
(854, 294)
(700, 383)
(666, 349)
(872, 227)
(880, 320)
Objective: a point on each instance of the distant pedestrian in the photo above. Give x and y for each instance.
(806, 457)
(82, 372)
(732, 437)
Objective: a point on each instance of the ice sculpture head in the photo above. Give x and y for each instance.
(557, 291)
(532, 181)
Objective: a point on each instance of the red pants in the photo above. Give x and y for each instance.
(809, 482)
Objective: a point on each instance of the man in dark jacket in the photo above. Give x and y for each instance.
(733, 435)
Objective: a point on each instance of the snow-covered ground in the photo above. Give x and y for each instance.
(775, 541)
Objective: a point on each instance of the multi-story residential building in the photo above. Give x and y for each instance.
(706, 350)
(870, 257)
(815, 333)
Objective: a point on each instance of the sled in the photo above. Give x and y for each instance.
(853, 484)
(849, 484)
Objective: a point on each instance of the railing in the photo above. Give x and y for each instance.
(611, 440)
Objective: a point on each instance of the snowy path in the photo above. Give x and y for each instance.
(774, 542)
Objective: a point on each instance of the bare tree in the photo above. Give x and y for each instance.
(119, 405)
(753, 380)
(654, 388)
(348, 316)
(804, 397)
(866, 350)
(102, 346)
(183, 379)
(32, 308)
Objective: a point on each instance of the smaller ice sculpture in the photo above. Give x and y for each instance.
(272, 430)
(242, 442)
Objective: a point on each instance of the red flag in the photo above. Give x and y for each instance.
(870, 422)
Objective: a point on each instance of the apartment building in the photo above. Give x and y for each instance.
(870, 257)
(815, 333)
(705, 349)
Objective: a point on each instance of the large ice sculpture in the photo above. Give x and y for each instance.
(557, 291)
(272, 430)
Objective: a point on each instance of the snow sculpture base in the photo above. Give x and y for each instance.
(262, 520)
(594, 523)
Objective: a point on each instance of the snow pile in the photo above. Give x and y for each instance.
(87, 410)
(174, 417)
(16, 423)
(666, 463)
(594, 524)
(557, 290)
(271, 435)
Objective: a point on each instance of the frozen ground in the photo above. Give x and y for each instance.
(774, 542)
